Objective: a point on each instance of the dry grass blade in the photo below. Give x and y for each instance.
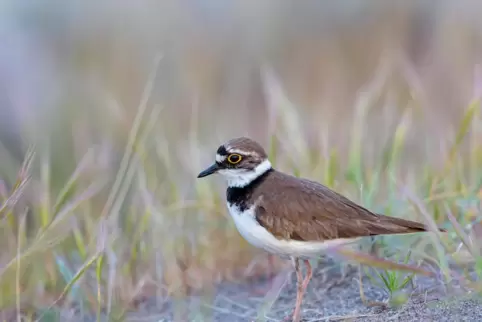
(373, 261)
(68, 209)
(463, 129)
(132, 139)
(460, 233)
(341, 317)
(62, 197)
(98, 274)
(283, 110)
(72, 282)
(14, 196)
(18, 292)
(50, 236)
(435, 235)
(23, 179)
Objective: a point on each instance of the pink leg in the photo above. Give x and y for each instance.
(309, 274)
(302, 284)
(299, 293)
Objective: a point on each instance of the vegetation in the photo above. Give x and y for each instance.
(105, 210)
(102, 242)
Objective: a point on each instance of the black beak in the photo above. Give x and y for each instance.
(212, 169)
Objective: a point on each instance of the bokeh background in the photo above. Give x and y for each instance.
(171, 80)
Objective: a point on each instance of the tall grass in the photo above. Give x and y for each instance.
(112, 233)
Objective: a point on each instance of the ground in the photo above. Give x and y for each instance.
(331, 296)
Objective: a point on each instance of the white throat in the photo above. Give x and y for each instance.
(239, 178)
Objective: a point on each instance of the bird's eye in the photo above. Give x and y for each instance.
(234, 158)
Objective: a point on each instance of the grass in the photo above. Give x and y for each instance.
(101, 235)
(393, 282)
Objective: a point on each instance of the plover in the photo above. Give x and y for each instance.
(292, 217)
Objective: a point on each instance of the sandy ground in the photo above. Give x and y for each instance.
(331, 296)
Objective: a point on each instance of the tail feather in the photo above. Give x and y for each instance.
(394, 225)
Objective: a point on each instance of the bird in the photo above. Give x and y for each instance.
(291, 217)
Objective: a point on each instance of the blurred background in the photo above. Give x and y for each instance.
(160, 84)
(92, 60)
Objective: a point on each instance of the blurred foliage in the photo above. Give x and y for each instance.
(124, 102)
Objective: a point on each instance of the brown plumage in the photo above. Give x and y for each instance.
(305, 210)
(301, 209)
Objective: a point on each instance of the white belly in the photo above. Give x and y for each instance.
(258, 236)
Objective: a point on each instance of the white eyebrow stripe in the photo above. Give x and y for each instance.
(220, 158)
(242, 152)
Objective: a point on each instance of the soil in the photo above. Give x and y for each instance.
(332, 295)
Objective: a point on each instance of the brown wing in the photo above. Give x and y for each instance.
(308, 211)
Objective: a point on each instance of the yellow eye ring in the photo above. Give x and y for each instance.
(234, 158)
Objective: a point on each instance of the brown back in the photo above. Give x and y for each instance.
(300, 209)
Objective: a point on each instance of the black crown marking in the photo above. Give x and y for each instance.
(222, 150)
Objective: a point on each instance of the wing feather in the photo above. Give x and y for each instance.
(308, 211)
